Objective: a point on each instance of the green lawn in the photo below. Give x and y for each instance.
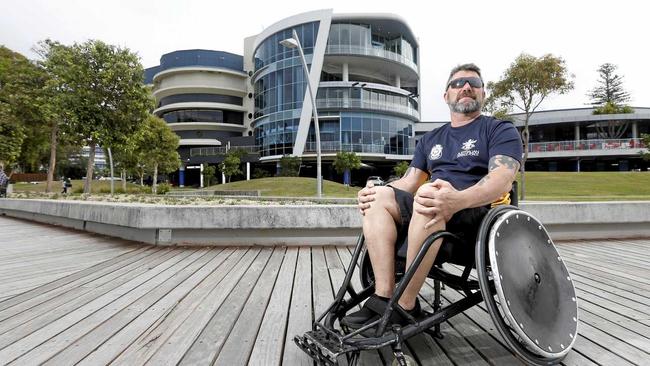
(561, 186)
(98, 186)
(289, 187)
(587, 186)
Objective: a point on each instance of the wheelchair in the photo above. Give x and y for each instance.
(527, 290)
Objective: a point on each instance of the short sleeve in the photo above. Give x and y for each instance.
(419, 156)
(505, 140)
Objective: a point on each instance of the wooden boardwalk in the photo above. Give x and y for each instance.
(68, 297)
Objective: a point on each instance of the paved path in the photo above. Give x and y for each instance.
(68, 297)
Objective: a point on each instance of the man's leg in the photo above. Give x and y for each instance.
(380, 231)
(416, 236)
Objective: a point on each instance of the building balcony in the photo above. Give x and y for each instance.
(222, 150)
(353, 103)
(371, 52)
(335, 146)
(601, 147)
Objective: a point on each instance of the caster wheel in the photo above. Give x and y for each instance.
(409, 361)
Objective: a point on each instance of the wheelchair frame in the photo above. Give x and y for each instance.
(328, 345)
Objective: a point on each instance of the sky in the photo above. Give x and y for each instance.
(491, 34)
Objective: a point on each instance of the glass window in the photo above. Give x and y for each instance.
(367, 124)
(356, 123)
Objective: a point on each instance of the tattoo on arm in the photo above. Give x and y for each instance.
(503, 160)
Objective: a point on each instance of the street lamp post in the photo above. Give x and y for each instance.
(294, 42)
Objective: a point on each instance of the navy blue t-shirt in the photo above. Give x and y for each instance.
(460, 155)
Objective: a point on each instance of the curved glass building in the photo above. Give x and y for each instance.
(365, 69)
(202, 95)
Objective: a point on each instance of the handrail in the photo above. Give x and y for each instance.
(585, 145)
(366, 104)
(371, 51)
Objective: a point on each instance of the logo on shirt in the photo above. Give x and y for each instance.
(469, 144)
(436, 152)
(468, 147)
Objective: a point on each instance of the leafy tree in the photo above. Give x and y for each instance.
(610, 97)
(11, 139)
(101, 86)
(344, 162)
(290, 166)
(610, 88)
(157, 145)
(526, 83)
(21, 84)
(208, 175)
(230, 166)
(401, 168)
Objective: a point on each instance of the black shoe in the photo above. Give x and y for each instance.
(416, 313)
(370, 311)
(374, 308)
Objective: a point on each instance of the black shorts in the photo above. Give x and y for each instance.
(465, 224)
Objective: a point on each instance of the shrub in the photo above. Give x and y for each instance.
(260, 173)
(163, 188)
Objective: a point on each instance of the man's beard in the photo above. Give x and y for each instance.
(465, 108)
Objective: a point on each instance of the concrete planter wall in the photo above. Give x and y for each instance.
(295, 225)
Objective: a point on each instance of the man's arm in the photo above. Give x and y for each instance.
(411, 180)
(441, 200)
(502, 171)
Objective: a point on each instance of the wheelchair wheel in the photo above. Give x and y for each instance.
(526, 286)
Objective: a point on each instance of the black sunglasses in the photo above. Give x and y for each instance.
(474, 82)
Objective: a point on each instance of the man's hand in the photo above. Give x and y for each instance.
(438, 200)
(365, 196)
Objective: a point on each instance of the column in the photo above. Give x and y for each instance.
(248, 170)
(181, 176)
(577, 132)
(635, 130)
(201, 176)
(398, 81)
(346, 74)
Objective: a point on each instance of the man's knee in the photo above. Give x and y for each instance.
(384, 199)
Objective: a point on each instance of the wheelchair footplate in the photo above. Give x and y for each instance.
(321, 346)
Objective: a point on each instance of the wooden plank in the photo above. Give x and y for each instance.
(140, 350)
(182, 338)
(34, 317)
(622, 334)
(612, 304)
(598, 353)
(44, 292)
(52, 313)
(238, 347)
(611, 250)
(612, 289)
(603, 312)
(641, 307)
(209, 343)
(480, 338)
(45, 342)
(369, 357)
(300, 312)
(269, 343)
(630, 264)
(321, 284)
(154, 307)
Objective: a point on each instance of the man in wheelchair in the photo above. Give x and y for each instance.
(469, 163)
(441, 211)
